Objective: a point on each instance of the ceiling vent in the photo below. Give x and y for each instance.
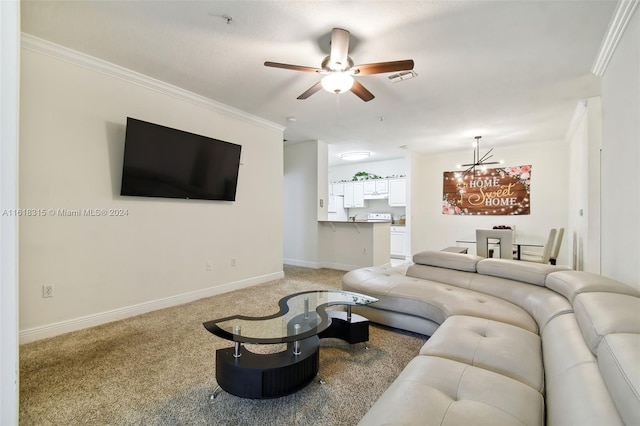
(401, 76)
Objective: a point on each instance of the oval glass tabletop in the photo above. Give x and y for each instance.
(301, 315)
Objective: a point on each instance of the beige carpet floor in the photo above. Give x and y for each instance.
(159, 368)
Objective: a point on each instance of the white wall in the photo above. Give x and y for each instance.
(301, 203)
(9, 103)
(620, 159)
(432, 230)
(585, 142)
(102, 268)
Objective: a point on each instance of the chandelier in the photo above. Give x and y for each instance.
(479, 161)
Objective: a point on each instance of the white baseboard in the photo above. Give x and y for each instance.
(302, 263)
(329, 265)
(344, 267)
(55, 329)
(339, 266)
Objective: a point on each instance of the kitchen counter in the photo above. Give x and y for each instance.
(357, 221)
(346, 245)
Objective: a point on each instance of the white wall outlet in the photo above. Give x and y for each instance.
(209, 266)
(233, 261)
(47, 290)
(364, 250)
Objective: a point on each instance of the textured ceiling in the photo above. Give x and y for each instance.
(511, 71)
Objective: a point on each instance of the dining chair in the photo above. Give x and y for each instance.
(556, 247)
(513, 229)
(504, 236)
(546, 251)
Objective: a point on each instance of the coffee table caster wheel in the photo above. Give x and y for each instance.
(217, 391)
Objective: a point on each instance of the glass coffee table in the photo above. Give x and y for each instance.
(301, 321)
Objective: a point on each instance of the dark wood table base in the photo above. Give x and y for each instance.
(268, 375)
(261, 376)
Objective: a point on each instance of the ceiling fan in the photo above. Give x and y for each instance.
(338, 69)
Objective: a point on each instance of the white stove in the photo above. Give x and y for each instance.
(379, 217)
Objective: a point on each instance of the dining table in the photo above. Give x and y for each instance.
(518, 244)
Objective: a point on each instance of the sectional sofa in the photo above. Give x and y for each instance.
(512, 343)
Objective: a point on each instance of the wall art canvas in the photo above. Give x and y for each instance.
(499, 191)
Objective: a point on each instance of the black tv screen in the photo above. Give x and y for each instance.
(163, 162)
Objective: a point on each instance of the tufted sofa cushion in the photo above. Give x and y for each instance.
(575, 391)
(430, 299)
(443, 392)
(619, 361)
(600, 314)
(540, 302)
(501, 348)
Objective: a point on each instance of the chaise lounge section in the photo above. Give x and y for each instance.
(511, 343)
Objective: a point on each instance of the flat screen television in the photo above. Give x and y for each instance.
(163, 162)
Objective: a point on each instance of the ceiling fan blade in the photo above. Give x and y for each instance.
(291, 67)
(382, 67)
(339, 48)
(310, 91)
(360, 91)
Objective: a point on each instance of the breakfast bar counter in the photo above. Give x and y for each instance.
(347, 245)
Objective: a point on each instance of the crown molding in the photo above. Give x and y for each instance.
(617, 25)
(45, 47)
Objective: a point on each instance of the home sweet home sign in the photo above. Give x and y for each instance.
(491, 192)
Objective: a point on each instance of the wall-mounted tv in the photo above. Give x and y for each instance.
(163, 162)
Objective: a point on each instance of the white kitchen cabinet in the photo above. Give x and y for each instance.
(397, 236)
(382, 186)
(376, 187)
(336, 188)
(397, 192)
(331, 207)
(358, 194)
(353, 195)
(348, 195)
(369, 187)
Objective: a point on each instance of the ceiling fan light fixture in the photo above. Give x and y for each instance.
(337, 82)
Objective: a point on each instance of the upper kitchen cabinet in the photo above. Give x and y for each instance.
(358, 194)
(353, 194)
(336, 189)
(376, 188)
(397, 192)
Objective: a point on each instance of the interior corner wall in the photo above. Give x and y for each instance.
(300, 213)
(585, 142)
(433, 230)
(161, 251)
(620, 158)
(9, 107)
(322, 188)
